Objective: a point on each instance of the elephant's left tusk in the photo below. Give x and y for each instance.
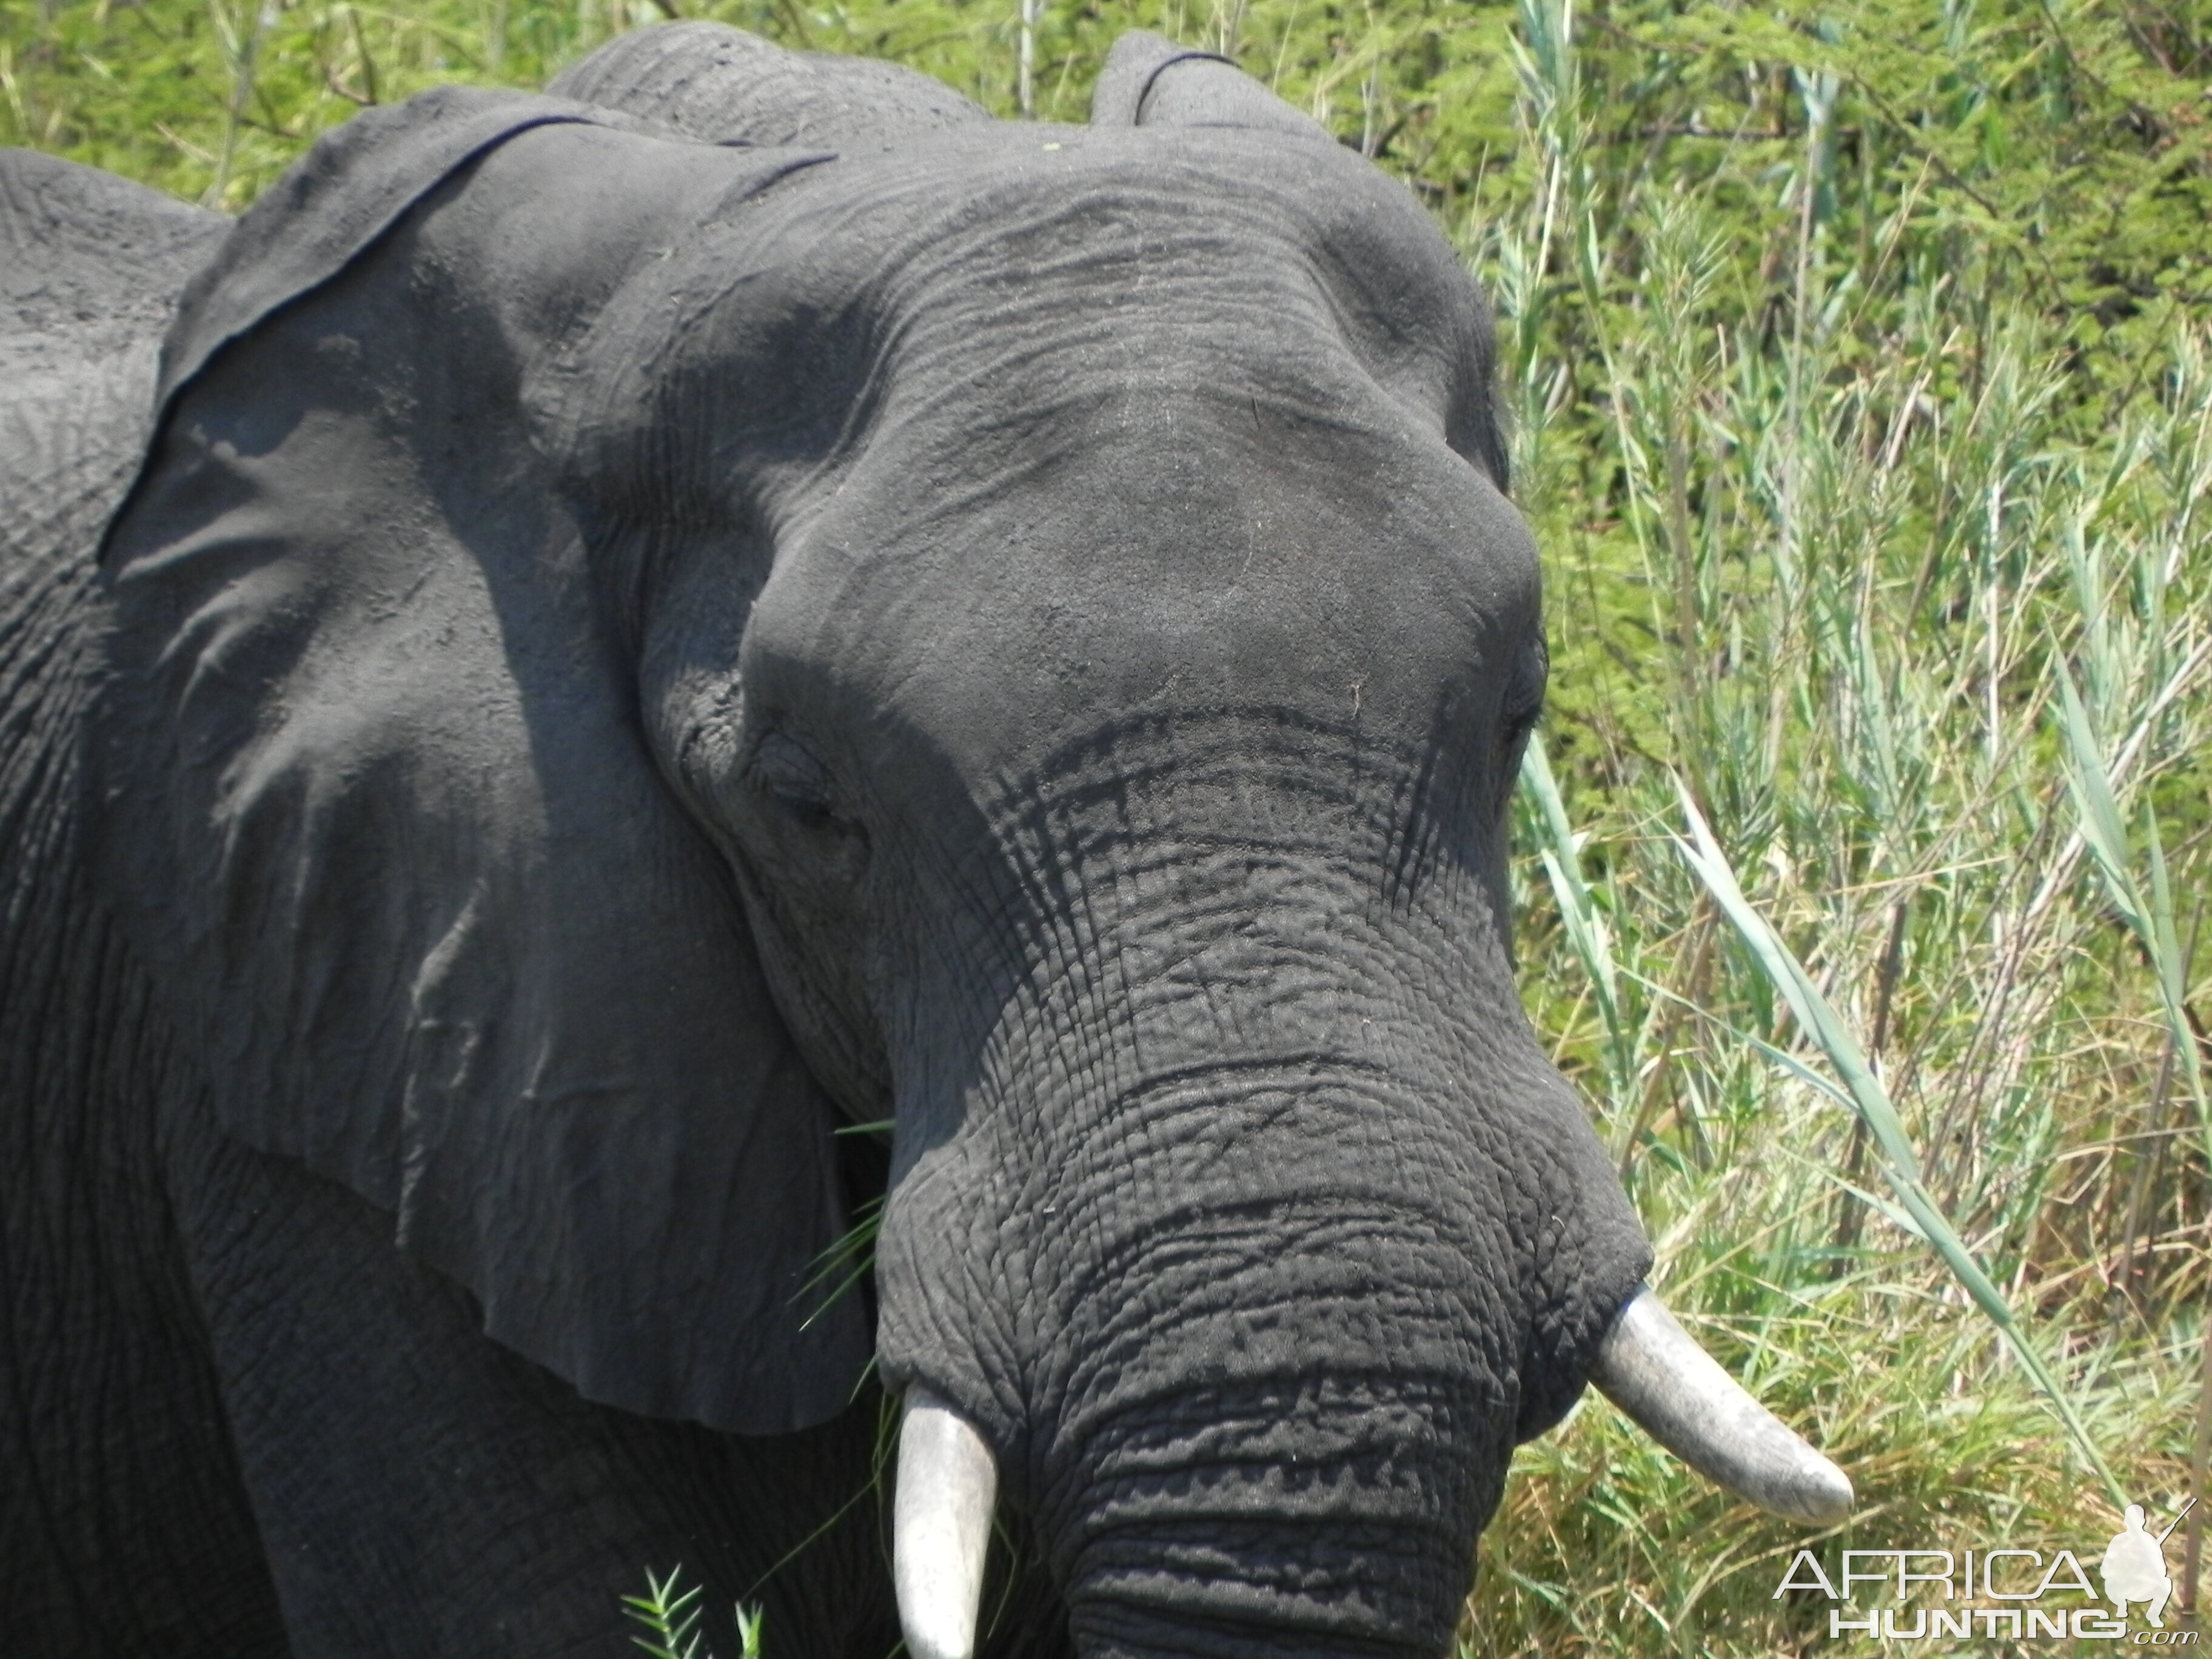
(1654, 1370)
(948, 1483)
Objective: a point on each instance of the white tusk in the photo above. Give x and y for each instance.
(1654, 1370)
(948, 1483)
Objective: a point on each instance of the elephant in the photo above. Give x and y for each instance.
(612, 688)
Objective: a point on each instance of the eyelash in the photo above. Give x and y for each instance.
(809, 814)
(805, 801)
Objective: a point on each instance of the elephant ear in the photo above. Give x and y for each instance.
(376, 797)
(347, 192)
(722, 86)
(1150, 82)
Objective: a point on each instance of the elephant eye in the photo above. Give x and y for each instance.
(799, 785)
(1524, 697)
(1523, 705)
(1519, 724)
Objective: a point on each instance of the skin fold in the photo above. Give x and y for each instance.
(631, 632)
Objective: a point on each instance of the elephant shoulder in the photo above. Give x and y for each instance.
(92, 262)
(91, 267)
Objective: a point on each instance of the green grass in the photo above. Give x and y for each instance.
(671, 1616)
(1858, 365)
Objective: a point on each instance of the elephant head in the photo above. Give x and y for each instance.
(662, 624)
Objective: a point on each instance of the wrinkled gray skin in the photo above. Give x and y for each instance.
(629, 651)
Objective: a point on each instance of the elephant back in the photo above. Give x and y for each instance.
(722, 86)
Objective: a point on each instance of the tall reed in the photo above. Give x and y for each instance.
(1901, 1059)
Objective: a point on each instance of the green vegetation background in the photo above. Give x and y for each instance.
(1855, 355)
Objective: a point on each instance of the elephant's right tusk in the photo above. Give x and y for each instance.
(1654, 1370)
(948, 1483)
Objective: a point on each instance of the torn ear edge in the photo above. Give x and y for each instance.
(379, 817)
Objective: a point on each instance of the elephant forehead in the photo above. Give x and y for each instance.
(1096, 241)
(999, 271)
(1000, 602)
(1045, 421)
(1005, 204)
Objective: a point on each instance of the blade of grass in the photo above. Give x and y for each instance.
(1587, 931)
(1819, 1021)
(2150, 916)
(671, 1619)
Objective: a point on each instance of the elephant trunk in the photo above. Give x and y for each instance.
(1234, 1204)
(1323, 1511)
(1267, 1414)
